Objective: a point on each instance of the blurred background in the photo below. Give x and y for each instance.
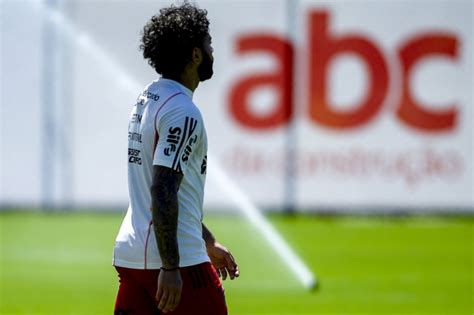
(348, 124)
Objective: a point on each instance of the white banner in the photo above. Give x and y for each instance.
(319, 104)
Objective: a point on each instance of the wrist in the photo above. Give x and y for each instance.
(211, 244)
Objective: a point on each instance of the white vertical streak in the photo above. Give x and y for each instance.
(254, 215)
(49, 145)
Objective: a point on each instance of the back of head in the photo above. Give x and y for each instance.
(170, 36)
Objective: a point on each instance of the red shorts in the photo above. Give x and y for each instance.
(202, 292)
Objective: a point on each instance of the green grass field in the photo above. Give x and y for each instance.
(61, 264)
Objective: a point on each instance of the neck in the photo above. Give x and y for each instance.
(188, 81)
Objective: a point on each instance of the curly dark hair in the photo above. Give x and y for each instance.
(169, 37)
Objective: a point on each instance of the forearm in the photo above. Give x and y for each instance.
(207, 236)
(165, 221)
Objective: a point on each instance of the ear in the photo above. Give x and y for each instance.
(197, 55)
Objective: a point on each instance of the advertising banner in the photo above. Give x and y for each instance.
(313, 104)
(344, 105)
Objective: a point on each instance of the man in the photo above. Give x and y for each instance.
(163, 252)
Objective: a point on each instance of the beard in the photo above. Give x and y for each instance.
(205, 70)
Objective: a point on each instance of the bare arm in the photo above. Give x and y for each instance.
(164, 206)
(207, 236)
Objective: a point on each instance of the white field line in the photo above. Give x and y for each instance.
(252, 213)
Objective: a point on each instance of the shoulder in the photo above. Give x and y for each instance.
(180, 105)
(151, 92)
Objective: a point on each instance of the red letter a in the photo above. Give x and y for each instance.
(281, 80)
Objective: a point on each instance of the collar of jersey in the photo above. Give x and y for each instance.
(178, 86)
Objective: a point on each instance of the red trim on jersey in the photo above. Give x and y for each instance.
(146, 241)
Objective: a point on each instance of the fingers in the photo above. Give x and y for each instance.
(224, 273)
(230, 268)
(236, 272)
(173, 300)
(231, 265)
(230, 262)
(163, 300)
(169, 290)
(177, 298)
(159, 293)
(169, 300)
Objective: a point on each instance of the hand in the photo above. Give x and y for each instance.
(169, 290)
(223, 261)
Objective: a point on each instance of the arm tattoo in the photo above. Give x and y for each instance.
(207, 236)
(164, 206)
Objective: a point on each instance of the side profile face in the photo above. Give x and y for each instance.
(205, 69)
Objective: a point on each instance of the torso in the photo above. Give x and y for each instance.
(165, 128)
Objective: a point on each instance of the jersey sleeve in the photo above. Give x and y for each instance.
(179, 132)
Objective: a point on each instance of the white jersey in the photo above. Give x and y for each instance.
(166, 129)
